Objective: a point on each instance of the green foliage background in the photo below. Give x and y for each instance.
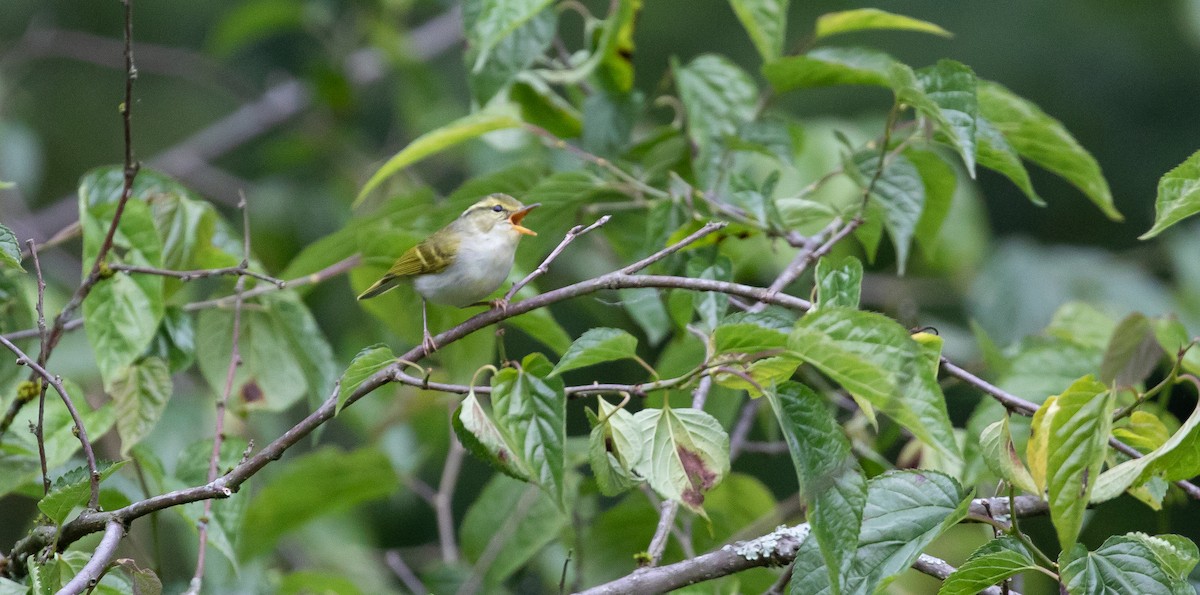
(1119, 76)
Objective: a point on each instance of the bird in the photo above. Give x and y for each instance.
(463, 262)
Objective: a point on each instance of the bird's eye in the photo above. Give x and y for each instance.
(498, 208)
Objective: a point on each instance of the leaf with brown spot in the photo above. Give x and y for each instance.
(251, 393)
(687, 454)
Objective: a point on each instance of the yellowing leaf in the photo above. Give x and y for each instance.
(435, 141)
(864, 19)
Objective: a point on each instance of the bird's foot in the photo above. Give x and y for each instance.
(500, 304)
(427, 344)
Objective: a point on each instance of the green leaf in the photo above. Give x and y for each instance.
(251, 22)
(608, 121)
(19, 454)
(718, 98)
(747, 337)
(1178, 196)
(11, 587)
(492, 69)
(122, 313)
(900, 192)
(940, 182)
(435, 141)
(840, 284)
(1176, 554)
(334, 480)
(10, 248)
(541, 325)
(542, 106)
(1145, 433)
(520, 514)
(283, 353)
(175, 342)
(530, 409)
(766, 22)
(1124, 564)
(1044, 141)
(140, 394)
(482, 438)
(709, 306)
(614, 447)
(951, 86)
(831, 66)
(72, 490)
(144, 580)
(307, 344)
(488, 22)
(1082, 324)
(16, 313)
(687, 454)
(831, 481)
(994, 152)
(1075, 426)
(878, 362)
(45, 577)
(225, 518)
(365, 364)
(866, 19)
(1132, 353)
(596, 346)
(308, 582)
(760, 375)
(1172, 337)
(645, 307)
(561, 195)
(615, 49)
(1001, 456)
(905, 512)
(1176, 458)
(61, 441)
(995, 561)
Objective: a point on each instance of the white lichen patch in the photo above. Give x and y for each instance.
(767, 546)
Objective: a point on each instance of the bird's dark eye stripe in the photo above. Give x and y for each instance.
(498, 208)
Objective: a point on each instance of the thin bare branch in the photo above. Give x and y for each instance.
(40, 428)
(56, 382)
(611, 167)
(91, 572)
(666, 520)
(443, 500)
(185, 276)
(235, 360)
(496, 544)
(332, 270)
(692, 238)
(741, 429)
(396, 563)
(575, 232)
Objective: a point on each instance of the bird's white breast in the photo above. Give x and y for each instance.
(482, 264)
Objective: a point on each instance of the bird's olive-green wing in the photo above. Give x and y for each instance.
(429, 257)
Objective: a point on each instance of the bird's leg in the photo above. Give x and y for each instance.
(500, 304)
(426, 340)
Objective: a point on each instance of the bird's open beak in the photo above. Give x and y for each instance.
(516, 218)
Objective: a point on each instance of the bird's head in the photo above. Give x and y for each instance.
(498, 210)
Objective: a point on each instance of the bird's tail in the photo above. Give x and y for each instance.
(387, 283)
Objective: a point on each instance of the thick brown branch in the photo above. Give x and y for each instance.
(91, 572)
